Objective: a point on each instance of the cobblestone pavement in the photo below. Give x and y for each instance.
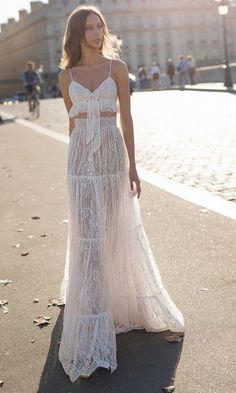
(186, 136)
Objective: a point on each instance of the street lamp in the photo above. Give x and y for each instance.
(223, 9)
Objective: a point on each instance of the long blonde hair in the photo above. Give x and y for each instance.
(75, 32)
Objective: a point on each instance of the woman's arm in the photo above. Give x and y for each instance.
(63, 83)
(121, 77)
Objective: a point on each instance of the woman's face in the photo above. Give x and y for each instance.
(93, 31)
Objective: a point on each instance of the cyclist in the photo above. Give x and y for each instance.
(31, 81)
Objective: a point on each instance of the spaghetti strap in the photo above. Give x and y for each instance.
(70, 74)
(110, 69)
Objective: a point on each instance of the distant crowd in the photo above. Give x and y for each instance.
(181, 74)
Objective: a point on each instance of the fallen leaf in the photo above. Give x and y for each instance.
(20, 230)
(1, 382)
(24, 253)
(203, 211)
(35, 217)
(55, 302)
(5, 282)
(15, 200)
(3, 301)
(175, 338)
(31, 236)
(32, 341)
(35, 300)
(42, 320)
(204, 289)
(16, 245)
(43, 235)
(2, 305)
(169, 389)
(22, 222)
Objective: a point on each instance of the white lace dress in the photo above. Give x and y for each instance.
(111, 281)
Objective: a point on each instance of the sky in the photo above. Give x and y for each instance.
(10, 8)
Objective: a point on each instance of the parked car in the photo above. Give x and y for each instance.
(132, 83)
(21, 96)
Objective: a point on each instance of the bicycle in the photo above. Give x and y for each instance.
(36, 100)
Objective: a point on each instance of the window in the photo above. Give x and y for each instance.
(139, 46)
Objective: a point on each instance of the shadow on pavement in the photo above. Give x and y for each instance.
(146, 363)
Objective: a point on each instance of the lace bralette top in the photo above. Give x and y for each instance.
(102, 99)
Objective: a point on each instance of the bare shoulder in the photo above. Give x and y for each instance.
(119, 68)
(63, 76)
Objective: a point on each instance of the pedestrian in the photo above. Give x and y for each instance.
(170, 70)
(155, 76)
(191, 63)
(182, 68)
(31, 81)
(111, 282)
(142, 75)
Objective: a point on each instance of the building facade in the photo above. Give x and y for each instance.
(151, 30)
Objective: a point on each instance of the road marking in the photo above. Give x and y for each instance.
(44, 131)
(191, 194)
(188, 193)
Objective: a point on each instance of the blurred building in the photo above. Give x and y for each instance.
(36, 36)
(151, 30)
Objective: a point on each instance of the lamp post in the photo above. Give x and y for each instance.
(223, 9)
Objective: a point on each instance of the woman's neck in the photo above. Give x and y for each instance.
(90, 58)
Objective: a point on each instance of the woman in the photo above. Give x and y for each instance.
(111, 282)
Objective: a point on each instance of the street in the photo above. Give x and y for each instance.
(186, 136)
(195, 253)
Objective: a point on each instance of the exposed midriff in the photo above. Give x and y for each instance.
(83, 115)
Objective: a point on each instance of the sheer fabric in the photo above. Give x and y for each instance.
(111, 281)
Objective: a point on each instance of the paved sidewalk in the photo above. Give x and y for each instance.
(198, 86)
(210, 87)
(195, 253)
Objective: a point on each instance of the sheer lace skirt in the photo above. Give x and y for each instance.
(111, 282)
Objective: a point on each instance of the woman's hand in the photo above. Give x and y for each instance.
(134, 179)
